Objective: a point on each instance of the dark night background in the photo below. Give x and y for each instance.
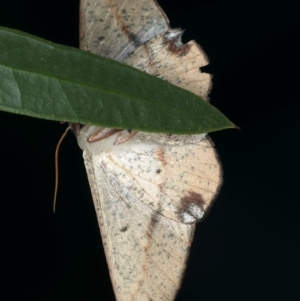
(248, 247)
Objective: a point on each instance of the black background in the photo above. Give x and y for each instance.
(248, 246)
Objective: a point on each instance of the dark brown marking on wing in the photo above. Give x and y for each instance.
(160, 156)
(179, 51)
(172, 40)
(188, 204)
(192, 198)
(151, 226)
(119, 15)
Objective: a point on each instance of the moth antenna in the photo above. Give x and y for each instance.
(56, 165)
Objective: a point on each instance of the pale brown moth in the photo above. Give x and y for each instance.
(149, 190)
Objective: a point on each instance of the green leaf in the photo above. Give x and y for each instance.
(46, 80)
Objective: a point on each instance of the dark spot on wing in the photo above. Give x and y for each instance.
(124, 229)
(132, 37)
(101, 39)
(188, 201)
(158, 171)
(192, 198)
(172, 39)
(179, 51)
(153, 223)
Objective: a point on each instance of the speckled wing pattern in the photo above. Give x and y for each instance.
(115, 28)
(149, 190)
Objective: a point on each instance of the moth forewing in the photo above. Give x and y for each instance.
(116, 28)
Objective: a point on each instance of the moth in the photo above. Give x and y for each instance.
(149, 190)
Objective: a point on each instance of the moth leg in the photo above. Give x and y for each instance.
(124, 136)
(102, 134)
